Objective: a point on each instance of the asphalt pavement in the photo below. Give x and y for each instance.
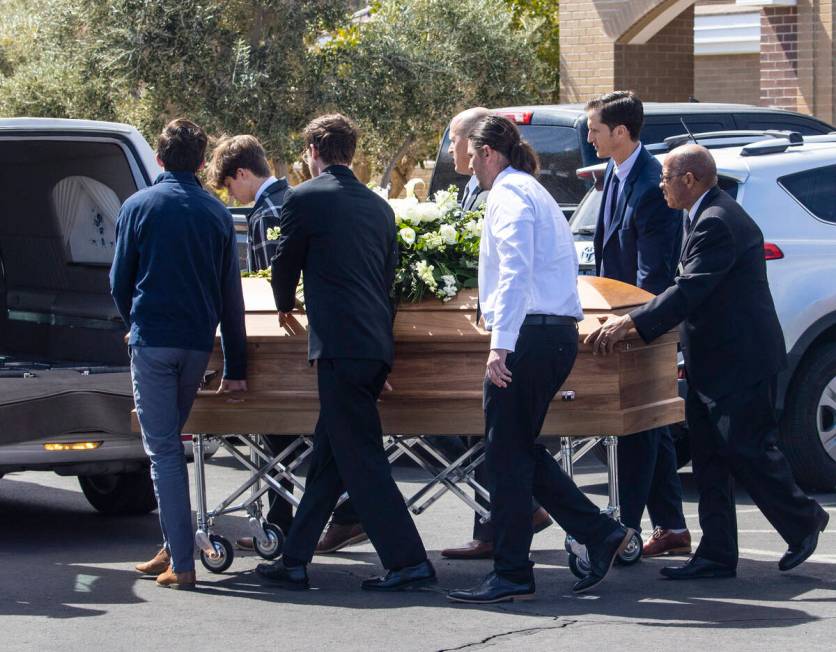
(67, 581)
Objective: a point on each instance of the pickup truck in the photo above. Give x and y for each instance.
(65, 387)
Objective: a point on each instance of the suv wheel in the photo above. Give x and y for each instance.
(120, 493)
(808, 425)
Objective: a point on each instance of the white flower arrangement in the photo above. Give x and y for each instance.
(439, 245)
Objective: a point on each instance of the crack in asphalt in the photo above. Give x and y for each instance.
(512, 633)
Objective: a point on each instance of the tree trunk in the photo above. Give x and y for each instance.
(386, 179)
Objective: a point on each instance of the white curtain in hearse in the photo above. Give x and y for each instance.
(87, 211)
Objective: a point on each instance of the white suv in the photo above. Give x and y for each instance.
(788, 186)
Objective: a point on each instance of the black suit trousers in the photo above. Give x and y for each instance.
(348, 452)
(517, 466)
(648, 476)
(735, 438)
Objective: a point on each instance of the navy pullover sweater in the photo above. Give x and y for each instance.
(175, 271)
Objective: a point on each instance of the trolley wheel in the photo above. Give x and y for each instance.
(579, 567)
(275, 542)
(222, 559)
(633, 552)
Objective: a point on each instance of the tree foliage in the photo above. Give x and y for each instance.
(415, 63)
(266, 67)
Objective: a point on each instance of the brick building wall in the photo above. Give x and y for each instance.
(661, 70)
(728, 78)
(779, 72)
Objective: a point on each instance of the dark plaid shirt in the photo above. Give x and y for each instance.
(264, 215)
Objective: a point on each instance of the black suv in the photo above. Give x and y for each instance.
(558, 134)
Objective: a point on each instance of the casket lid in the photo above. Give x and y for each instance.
(608, 295)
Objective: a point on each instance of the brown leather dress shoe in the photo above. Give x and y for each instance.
(665, 542)
(156, 565)
(336, 537)
(471, 550)
(171, 580)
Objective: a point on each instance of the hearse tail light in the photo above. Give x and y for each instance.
(72, 446)
(771, 251)
(519, 117)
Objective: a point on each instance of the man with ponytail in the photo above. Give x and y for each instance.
(529, 299)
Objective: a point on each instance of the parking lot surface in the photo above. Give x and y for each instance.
(67, 581)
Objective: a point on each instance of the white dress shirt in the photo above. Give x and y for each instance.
(270, 180)
(527, 259)
(622, 172)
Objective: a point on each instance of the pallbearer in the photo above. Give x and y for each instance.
(344, 238)
(528, 295)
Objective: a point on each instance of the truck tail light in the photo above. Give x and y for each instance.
(518, 117)
(771, 251)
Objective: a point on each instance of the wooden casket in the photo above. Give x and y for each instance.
(439, 367)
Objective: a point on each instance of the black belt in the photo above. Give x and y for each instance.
(549, 320)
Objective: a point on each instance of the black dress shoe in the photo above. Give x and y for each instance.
(601, 557)
(698, 568)
(799, 553)
(494, 589)
(294, 578)
(404, 579)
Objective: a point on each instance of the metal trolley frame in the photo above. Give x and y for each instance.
(443, 475)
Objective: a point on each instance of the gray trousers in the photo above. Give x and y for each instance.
(165, 381)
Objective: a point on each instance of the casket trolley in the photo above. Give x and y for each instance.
(440, 355)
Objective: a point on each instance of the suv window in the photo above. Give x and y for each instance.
(729, 185)
(790, 123)
(815, 190)
(558, 149)
(656, 131)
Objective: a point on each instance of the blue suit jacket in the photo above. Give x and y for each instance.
(641, 245)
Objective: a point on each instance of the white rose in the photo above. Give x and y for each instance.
(427, 212)
(448, 234)
(407, 235)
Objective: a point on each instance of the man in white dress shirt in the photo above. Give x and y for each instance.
(529, 299)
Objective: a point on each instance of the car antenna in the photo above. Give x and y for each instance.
(689, 132)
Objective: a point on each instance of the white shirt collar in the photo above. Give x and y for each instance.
(270, 181)
(503, 173)
(692, 212)
(623, 171)
(472, 184)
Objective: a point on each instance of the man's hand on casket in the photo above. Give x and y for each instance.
(229, 386)
(607, 335)
(497, 372)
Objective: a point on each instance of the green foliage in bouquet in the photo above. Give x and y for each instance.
(439, 246)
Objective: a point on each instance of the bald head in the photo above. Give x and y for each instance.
(688, 171)
(464, 122)
(460, 126)
(697, 160)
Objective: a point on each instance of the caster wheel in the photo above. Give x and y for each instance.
(275, 542)
(632, 553)
(580, 567)
(222, 559)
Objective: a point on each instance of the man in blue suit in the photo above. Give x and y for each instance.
(637, 241)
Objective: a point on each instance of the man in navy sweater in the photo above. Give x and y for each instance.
(174, 278)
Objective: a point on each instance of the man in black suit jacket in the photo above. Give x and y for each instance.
(733, 348)
(637, 241)
(342, 236)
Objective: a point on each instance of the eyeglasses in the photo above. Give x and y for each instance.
(666, 178)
